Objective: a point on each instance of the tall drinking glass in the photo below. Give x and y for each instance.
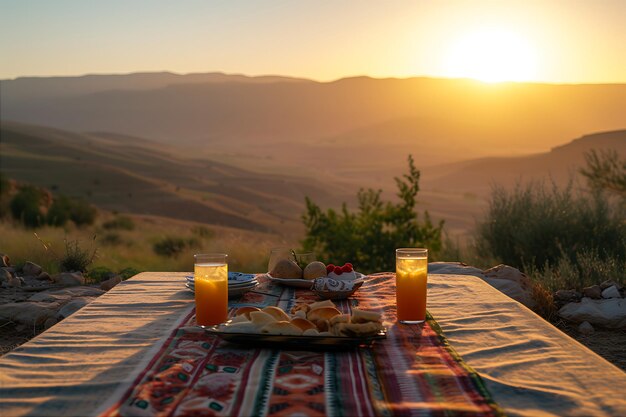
(211, 287)
(411, 280)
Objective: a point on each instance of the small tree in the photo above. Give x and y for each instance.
(64, 208)
(605, 171)
(26, 206)
(369, 237)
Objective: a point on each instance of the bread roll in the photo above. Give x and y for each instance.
(239, 319)
(322, 325)
(246, 311)
(260, 318)
(303, 324)
(323, 313)
(320, 304)
(362, 316)
(357, 329)
(300, 307)
(282, 328)
(277, 313)
(311, 332)
(342, 318)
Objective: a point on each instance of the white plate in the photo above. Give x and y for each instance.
(250, 284)
(305, 283)
(233, 278)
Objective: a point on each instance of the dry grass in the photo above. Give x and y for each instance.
(248, 251)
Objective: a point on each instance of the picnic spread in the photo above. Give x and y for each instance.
(137, 350)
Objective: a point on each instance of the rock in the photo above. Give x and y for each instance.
(605, 313)
(110, 283)
(586, 328)
(44, 276)
(50, 322)
(66, 294)
(4, 260)
(31, 269)
(567, 295)
(512, 282)
(14, 282)
(74, 305)
(594, 292)
(611, 292)
(49, 297)
(69, 279)
(609, 283)
(28, 313)
(506, 279)
(5, 275)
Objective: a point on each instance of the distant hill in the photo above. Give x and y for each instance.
(34, 89)
(560, 164)
(232, 112)
(128, 174)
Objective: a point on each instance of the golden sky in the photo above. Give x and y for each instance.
(566, 41)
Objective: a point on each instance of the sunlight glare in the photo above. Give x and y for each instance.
(492, 55)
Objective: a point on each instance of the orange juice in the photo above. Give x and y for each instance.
(211, 283)
(411, 280)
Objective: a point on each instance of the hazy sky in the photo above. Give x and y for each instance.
(553, 41)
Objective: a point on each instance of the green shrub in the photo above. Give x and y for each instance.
(540, 227)
(65, 208)
(170, 246)
(203, 232)
(129, 272)
(77, 258)
(606, 171)
(82, 213)
(120, 222)
(26, 206)
(100, 273)
(4, 196)
(59, 212)
(111, 239)
(368, 238)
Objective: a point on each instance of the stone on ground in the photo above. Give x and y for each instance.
(609, 313)
(31, 269)
(69, 278)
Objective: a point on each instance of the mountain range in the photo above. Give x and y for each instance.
(244, 151)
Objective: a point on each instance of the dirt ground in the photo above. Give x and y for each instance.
(608, 343)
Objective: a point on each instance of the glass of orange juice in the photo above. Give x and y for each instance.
(211, 288)
(411, 280)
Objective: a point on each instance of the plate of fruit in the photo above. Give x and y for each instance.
(288, 272)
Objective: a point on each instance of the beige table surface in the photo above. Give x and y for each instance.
(530, 367)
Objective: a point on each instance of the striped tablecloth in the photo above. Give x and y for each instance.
(413, 372)
(85, 364)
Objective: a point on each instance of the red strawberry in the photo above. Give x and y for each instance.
(350, 265)
(338, 270)
(330, 268)
(346, 268)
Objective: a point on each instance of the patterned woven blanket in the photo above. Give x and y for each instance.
(412, 372)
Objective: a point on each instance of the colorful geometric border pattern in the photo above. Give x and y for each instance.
(414, 371)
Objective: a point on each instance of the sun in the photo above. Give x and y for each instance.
(492, 55)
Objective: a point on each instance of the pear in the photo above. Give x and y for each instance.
(286, 268)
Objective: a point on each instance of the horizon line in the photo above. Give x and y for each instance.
(293, 77)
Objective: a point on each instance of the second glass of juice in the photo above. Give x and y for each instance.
(211, 287)
(411, 282)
